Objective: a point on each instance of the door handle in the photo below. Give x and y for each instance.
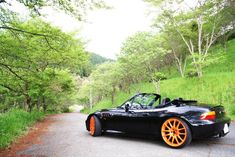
(131, 112)
(146, 114)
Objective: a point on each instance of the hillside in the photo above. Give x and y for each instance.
(96, 59)
(217, 86)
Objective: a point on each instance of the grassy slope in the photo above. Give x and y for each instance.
(14, 123)
(217, 86)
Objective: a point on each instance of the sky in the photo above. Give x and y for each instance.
(106, 29)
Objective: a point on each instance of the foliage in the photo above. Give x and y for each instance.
(159, 76)
(34, 66)
(77, 9)
(197, 26)
(96, 59)
(15, 122)
(141, 55)
(191, 73)
(102, 82)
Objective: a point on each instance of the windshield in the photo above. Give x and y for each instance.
(143, 100)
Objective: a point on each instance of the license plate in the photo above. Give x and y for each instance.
(226, 129)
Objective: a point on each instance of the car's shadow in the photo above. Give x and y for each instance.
(158, 140)
(134, 137)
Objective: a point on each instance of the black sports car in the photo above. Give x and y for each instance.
(177, 121)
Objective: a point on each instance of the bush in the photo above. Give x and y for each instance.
(65, 109)
(191, 73)
(14, 122)
(159, 76)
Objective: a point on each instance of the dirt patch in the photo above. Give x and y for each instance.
(33, 136)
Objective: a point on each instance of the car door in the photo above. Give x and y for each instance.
(115, 120)
(134, 120)
(142, 113)
(138, 121)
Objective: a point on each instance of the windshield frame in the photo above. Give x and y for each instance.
(153, 101)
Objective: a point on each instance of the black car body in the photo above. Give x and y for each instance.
(147, 113)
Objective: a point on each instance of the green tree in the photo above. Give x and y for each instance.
(26, 58)
(199, 25)
(141, 55)
(76, 8)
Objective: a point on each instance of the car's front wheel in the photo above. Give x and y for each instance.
(95, 126)
(176, 133)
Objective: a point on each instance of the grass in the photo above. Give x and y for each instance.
(216, 87)
(14, 123)
(226, 58)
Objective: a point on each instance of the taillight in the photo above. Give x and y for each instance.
(208, 116)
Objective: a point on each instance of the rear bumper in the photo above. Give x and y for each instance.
(210, 129)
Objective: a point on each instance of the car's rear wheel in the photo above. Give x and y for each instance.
(95, 126)
(176, 133)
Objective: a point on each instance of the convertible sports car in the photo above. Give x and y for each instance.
(177, 121)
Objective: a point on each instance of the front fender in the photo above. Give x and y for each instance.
(87, 122)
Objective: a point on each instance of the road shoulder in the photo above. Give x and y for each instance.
(33, 136)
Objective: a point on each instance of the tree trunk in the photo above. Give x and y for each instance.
(38, 104)
(157, 86)
(28, 103)
(44, 105)
(90, 99)
(113, 94)
(179, 63)
(199, 71)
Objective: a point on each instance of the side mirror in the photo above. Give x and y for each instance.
(127, 107)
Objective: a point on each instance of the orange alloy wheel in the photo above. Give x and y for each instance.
(174, 132)
(92, 125)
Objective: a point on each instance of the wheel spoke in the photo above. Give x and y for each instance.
(181, 129)
(181, 133)
(178, 125)
(166, 131)
(172, 139)
(167, 126)
(177, 140)
(170, 124)
(167, 135)
(169, 138)
(180, 138)
(174, 124)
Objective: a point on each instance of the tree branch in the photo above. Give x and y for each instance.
(9, 88)
(23, 31)
(2, 1)
(12, 71)
(32, 33)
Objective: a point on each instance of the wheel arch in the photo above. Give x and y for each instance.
(88, 120)
(183, 118)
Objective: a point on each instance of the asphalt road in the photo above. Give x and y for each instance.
(67, 137)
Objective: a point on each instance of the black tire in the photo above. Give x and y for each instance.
(98, 127)
(187, 138)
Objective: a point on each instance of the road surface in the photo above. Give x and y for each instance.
(67, 137)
